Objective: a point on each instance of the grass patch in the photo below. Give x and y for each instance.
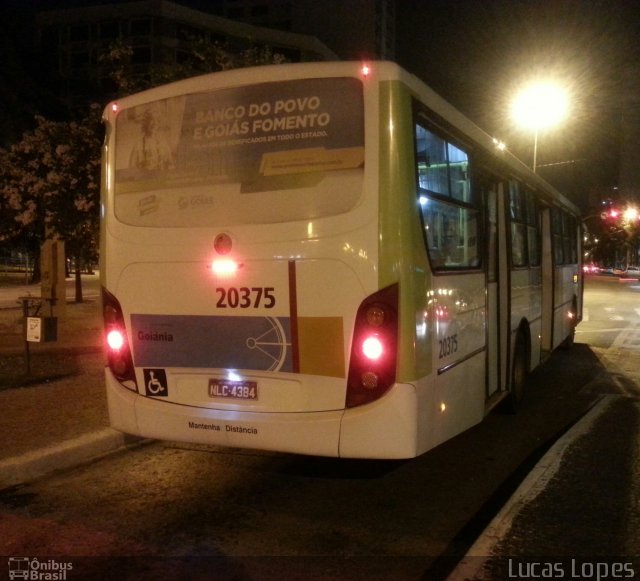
(45, 367)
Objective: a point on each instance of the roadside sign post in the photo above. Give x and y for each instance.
(37, 329)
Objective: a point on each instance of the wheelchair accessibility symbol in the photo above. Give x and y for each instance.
(155, 382)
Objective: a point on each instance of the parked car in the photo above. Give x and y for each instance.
(630, 271)
(633, 271)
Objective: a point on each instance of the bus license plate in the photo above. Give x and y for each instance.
(233, 389)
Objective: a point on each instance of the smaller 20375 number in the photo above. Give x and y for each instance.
(448, 345)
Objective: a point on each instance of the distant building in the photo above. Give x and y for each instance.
(71, 41)
(357, 29)
(629, 184)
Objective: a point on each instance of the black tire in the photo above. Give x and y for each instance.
(519, 375)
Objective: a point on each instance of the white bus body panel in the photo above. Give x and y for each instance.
(385, 428)
(327, 310)
(565, 291)
(455, 393)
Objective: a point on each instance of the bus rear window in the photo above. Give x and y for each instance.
(266, 153)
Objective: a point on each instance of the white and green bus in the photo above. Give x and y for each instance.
(323, 259)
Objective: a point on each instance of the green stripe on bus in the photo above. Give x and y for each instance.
(402, 255)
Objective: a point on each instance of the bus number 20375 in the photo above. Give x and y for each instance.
(448, 346)
(246, 297)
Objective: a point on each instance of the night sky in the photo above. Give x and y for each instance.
(475, 53)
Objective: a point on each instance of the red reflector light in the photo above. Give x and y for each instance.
(115, 339)
(223, 243)
(372, 348)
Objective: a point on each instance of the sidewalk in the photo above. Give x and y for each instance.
(577, 514)
(62, 422)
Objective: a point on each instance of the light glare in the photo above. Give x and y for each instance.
(224, 267)
(540, 105)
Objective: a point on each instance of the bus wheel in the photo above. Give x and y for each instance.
(519, 375)
(571, 337)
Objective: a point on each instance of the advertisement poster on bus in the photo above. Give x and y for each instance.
(250, 135)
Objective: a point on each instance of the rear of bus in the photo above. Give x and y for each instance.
(239, 265)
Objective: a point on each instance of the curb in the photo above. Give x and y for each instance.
(471, 565)
(33, 465)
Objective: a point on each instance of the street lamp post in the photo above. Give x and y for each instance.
(539, 106)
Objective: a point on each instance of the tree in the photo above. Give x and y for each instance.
(200, 57)
(49, 180)
(50, 188)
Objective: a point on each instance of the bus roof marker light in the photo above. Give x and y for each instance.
(365, 70)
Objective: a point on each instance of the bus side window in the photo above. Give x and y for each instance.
(449, 215)
(451, 234)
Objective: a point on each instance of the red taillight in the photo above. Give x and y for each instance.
(372, 368)
(372, 348)
(117, 347)
(115, 340)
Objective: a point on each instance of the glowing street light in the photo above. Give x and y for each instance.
(539, 106)
(631, 214)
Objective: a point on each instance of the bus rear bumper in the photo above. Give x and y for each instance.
(300, 433)
(386, 428)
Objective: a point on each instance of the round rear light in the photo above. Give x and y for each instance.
(369, 380)
(223, 244)
(375, 316)
(115, 339)
(372, 348)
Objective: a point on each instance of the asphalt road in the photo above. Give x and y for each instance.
(188, 510)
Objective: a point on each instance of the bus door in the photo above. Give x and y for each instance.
(547, 283)
(497, 289)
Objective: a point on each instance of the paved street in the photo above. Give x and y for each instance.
(514, 485)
